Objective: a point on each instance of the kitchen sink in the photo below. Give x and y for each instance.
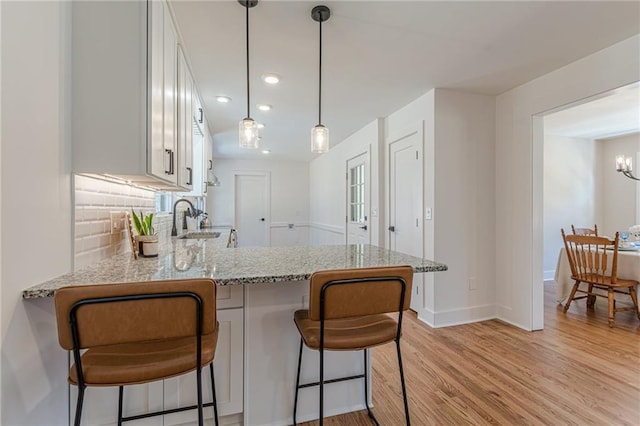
(199, 235)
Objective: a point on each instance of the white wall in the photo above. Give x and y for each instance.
(619, 192)
(519, 171)
(36, 206)
(328, 187)
(458, 138)
(289, 197)
(465, 196)
(571, 171)
(1, 327)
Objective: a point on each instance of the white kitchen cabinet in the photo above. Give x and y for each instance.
(100, 407)
(228, 370)
(200, 153)
(124, 64)
(185, 123)
(208, 159)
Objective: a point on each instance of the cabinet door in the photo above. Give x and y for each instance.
(228, 371)
(208, 158)
(158, 161)
(170, 62)
(185, 123)
(100, 407)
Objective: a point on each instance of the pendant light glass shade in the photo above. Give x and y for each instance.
(319, 139)
(248, 133)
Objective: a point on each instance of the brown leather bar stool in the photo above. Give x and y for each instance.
(348, 311)
(138, 333)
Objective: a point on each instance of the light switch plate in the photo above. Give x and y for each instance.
(117, 221)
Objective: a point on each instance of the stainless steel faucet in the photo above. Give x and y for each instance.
(174, 229)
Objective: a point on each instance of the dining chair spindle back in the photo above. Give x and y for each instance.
(594, 261)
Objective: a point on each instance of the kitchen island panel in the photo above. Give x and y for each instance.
(271, 350)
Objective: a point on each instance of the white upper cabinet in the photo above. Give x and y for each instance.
(185, 123)
(125, 94)
(201, 146)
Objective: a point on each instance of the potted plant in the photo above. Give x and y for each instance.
(147, 238)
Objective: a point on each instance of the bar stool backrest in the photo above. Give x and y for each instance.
(359, 292)
(108, 322)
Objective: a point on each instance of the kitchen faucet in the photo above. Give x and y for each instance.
(174, 230)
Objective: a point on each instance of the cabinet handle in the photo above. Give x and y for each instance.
(210, 165)
(190, 181)
(169, 155)
(364, 227)
(206, 187)
(201, 115)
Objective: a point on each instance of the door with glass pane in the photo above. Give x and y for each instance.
(358, 231)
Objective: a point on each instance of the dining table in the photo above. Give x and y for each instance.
(628, 268)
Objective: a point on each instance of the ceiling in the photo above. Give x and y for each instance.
(613, 114)
(377, 57)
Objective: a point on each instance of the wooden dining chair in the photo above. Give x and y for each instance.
(594, 261)
(136, 333)
(585, 231)
(348, 312)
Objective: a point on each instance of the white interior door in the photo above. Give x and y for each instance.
(251, 198)
(358, 231)
(405, 204)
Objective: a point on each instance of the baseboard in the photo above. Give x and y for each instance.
(457, 316)
(231, 420)
(549, 275)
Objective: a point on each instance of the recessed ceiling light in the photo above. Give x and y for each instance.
(264, 107)
(223, 99)
(271, 78)
(260, 126)
(266, 151)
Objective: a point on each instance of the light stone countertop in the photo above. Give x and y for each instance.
(197, 258)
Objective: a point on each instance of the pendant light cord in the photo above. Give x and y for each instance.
(320, 78)
(248, 92)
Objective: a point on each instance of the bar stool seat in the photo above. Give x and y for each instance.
(348, 333)
(135, 363)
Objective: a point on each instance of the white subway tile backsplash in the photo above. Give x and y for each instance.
(94, 201)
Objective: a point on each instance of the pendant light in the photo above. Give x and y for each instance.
(248, 128)
(320, 134)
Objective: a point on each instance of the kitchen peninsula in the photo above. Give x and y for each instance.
(259, 288)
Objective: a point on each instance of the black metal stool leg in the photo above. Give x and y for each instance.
(366, 387)
(199, 381)
(213, 394)
(321, 386)
(79, 405)
(295, 400)
(120, 398)
(404, 389)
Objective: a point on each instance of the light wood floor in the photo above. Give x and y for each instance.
(576, 371)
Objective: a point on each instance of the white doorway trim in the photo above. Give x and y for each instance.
(537, 203)
(267, 207)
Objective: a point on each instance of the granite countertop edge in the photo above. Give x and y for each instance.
(237, 264)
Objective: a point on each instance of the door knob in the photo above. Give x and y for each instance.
(262, 219)
(392, 228)
(364, 227)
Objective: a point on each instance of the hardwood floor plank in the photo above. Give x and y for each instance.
(577, 371)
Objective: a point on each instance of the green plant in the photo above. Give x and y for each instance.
(142, 223)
